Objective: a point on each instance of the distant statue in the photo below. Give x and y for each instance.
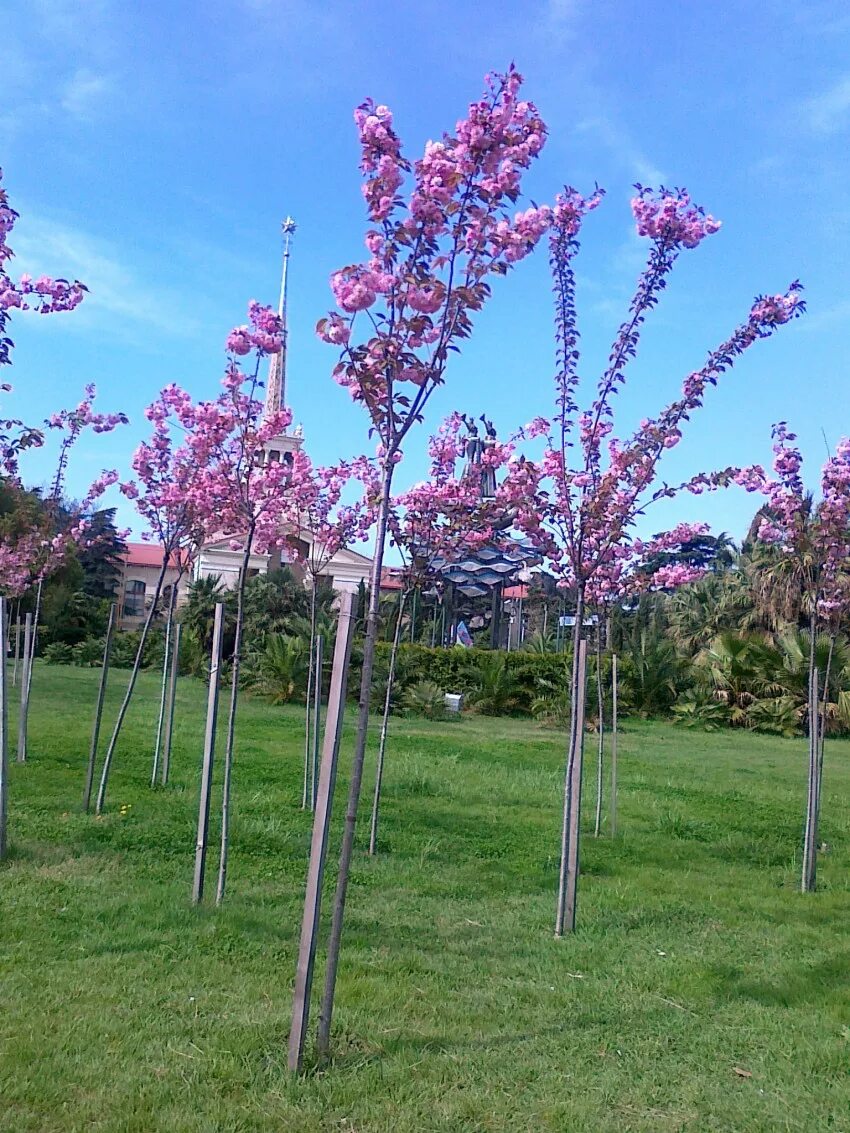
(474, 449)
(488, 473)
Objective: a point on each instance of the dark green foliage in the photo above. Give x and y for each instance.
(101, 559)
(125, 645)
(495, 688)
(696, 709)
(278, 670)
(58, 653)
(89, 653)
(652, 674)
(779, 715)
(459, 669)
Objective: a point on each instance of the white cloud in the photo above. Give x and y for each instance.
(829, 112)
(610, 135)
(85, 92)
(119, 300)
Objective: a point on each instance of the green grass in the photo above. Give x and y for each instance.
(123, 1008)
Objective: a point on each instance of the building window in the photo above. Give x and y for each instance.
(134, 598)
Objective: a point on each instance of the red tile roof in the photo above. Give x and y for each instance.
(149, 554)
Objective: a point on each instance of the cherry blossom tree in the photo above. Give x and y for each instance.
(244, 493)
(815, 537)
(431, 257)
(581, 500)
(168, 492)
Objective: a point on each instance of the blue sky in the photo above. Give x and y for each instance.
(153, 149)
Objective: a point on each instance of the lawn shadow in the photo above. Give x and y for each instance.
(795, 986)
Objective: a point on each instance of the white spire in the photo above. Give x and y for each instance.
(276, 381)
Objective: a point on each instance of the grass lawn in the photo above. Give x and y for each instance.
(702, 992)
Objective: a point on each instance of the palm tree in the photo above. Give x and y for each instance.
(198, 613)
(741, 669)
(281, 668)
(495, 690)
(716, 603)
(654, 673)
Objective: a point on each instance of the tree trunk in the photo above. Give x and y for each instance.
(321, 828)
(208, 760)
(379, 769)
(4, 735)
(600, 753)
(568, 879)
(25, 691)
(612, 804)
(323, 1039)
(98, 713)
(308, 791)
(224, 851)
(131, 684)
(163, 692)
(172, 696)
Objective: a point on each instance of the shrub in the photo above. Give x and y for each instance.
(425, 699)
(699, 710)
(279, 671)
(495, 689)
(458, 669)
(88, 654)
(58, 653)
(779, 715)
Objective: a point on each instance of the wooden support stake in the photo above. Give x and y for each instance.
(163, 694)
(612, 806)
(25, 690)
(568, 883)
(209, 757)
(321, 826)
(4, 734)
(172, 693)
(98, 712)
(17, 649)
(317, 720)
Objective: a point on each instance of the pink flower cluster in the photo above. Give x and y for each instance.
(430, 254)
(774, 310)
(816, 533)
(581, 500)
(381, 158)
(671, 218)
(45, 294)
(27, 557)
(264, 334)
